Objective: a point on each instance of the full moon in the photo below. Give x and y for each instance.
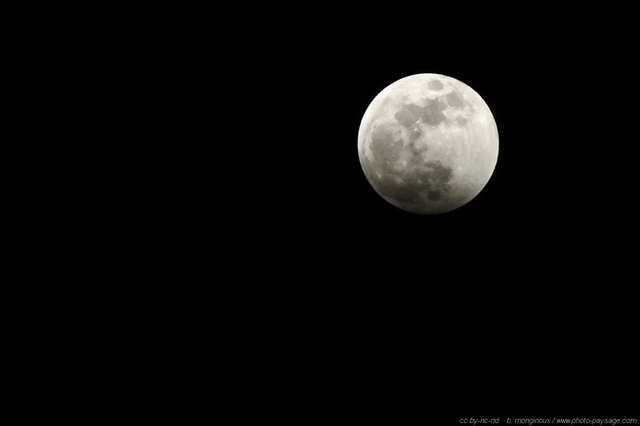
(428, 143)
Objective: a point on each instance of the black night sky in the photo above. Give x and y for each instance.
(238, 265)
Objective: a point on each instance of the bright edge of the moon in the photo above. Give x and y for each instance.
(428, 143)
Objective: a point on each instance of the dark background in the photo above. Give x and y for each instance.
(232, 259)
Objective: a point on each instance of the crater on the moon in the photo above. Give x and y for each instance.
(455, 100)
(435, 85)
(414, 135)
(462, 121)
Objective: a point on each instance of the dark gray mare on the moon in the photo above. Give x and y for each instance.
(430, 178)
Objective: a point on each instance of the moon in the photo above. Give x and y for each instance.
(428, 143)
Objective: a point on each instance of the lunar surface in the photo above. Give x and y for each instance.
(428, 143)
